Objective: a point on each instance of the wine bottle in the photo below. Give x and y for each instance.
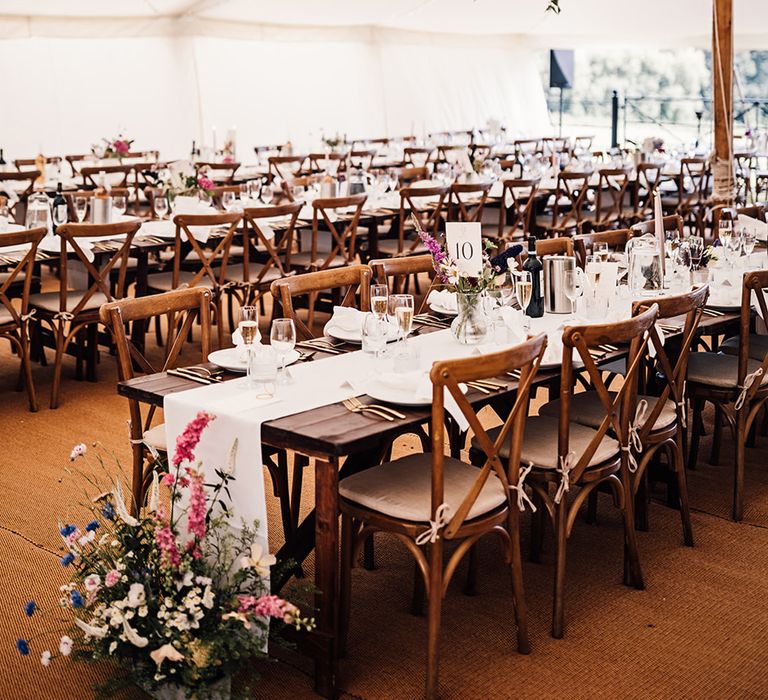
(59, 208)
(2, 160)
(534, 266)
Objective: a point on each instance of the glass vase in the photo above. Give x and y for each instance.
(470, 327)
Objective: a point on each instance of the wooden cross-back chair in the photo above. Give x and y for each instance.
(418, 156)
(610, 202)
(77, 161)
(516, 207)
(89, 173)
(449, 153)
(336, 228)
(582, 143)
(334, 162)
(20, 163)
(737, 385)
(525, 147)
(647, 182)
(466, 200)
(693, 189)
(187, 307)
(301, 181)
(345, 284)
(562, 245)
(430, 499)
(70, 197)
(552, 145)
(721, 211)
(570, 206)
(266, 253)
(431, 215)
(14, 320)
(395, 272)
(584, 243)
(409, 175)
(206, 275)
(71, 313)
(285, 167)
(671, 223)
(743, 166)
(563, 453)
(217, 192)
(17, 202)
(362, 157)
(218, 172)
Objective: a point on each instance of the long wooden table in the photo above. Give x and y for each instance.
(343, 443)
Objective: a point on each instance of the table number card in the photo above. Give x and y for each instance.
(465, 246)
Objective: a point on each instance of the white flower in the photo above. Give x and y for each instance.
(238, 616)
(92, 582)
(143, 611)
(45, 658)
(208, 598)
(78, 451)
(203, 580)
(167, 651)
(133, 636)
(90, 630)
(136, 595)
(65, 644)
(259, 559)
(188, 579)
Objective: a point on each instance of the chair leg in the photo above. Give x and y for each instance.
(738, 471)
(26, 368)
(57, 365)
(697, 409)
(518, 590)
(641, 504)
(345, 590)
(537, 530)
(633, 574)
(558, 611)
(434, 610)
(677, 463)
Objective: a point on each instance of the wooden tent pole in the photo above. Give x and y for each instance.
(722, 99)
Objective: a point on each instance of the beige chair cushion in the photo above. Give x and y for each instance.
(5, 316)
(163, 281)
(49, 301)
(305, 260)
(235, 273)
(540, 443)
(155, 437)
(716, 370)
(402, 489)
(758, 346)
(586, 409)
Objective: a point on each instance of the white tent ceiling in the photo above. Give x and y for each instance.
(651, 22)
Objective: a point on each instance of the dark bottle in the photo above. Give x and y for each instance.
(59, 208)
(534, 266)
(2, 160)
(194, 149)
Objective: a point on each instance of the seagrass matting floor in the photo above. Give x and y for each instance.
(699, 630)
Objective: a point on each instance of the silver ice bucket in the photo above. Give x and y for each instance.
(555, 267)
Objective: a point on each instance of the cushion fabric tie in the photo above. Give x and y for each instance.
(432, 534)
(634, 442)
(566, 464)
(522, 496)
(749, 380)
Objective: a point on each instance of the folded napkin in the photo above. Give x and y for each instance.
(444, 299)
(239, 343)
(759, 228)
(346, 318)
(52, 244)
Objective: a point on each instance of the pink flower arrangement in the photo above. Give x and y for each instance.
(196, 511)
(112, 578)
(166, 542)
(120, 146)
(205, 183)
(171, 479)
(267, 606)
(187, 441)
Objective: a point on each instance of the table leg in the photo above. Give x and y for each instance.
(327, 573)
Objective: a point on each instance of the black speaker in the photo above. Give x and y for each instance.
(561, 68)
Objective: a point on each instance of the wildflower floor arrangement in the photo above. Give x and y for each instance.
(699, 630)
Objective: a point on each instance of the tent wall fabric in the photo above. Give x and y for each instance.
(273, 84)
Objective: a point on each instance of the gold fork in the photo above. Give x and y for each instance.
(356, 402)
(358, 409)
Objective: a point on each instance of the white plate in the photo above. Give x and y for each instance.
(405, 397)
(229, 359)
(355, 336)
(442, 310)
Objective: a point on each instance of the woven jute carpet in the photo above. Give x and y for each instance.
(699, 630)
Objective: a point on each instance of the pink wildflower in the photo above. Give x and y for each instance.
(187, 441)
(267, 606)
(121, 146)
(112, 578)
(171, 479)
(71, 538)
(197, 508)
(166, 540)
(205, 183)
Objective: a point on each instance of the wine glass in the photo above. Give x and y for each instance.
(228, 201)
(732, 248)
(267, 194)
(283, 340)
(724, 230)
(696, 248)
(523, 292)
(748, 241)
(245, 191)
(254, 189)
(249, 331)
(161, 206)
(572, 286)
(81, 207)
(379, 297)
(119, 204)
(374, 335)
(404, 313)
(602, 251)
(593, 270)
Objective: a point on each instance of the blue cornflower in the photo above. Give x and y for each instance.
(67, 559)
(108, 511)
(67, 530)
(23, 646)
(93, 525)
(77, 599)
(30, 607)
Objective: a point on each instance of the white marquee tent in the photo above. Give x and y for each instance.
(167, 71)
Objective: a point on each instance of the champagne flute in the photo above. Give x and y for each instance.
(572, 286)
(404, 313)
(592, 268)
(119, 204)
(748, 241)
(379, 297)
(267, 193)
(81, 207)
(724, 231)
(228, 201)
(283, 340)
(602, 251)
(523, 291)
(696, 246)
(161, 206)
(249, 331)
